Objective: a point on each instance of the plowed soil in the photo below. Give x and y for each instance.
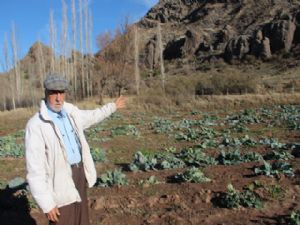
(169, 202)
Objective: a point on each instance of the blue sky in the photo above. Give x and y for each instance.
(31, 18)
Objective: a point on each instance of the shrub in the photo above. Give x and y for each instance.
(233, 83)
(234, 199)
(125, 130)
(98, 155)
(193, 175)
(274, 169)
(143, 162)
(195, 157)
(153, 162)
(111, 178)
(10, 148)
(150, 181)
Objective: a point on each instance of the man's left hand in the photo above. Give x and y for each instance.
(121, 102)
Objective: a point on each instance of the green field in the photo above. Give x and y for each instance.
(181, 167)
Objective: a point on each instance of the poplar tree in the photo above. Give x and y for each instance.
(81, 48)
(7, 66)
(64, 40)
(74, 58)
(161, 58)
(52, 31)
(86, 46)
(17, 72)
(136, 59)
(90, 50)
(41, 64)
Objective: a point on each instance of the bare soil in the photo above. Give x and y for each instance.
(174, 203)
(189, 203)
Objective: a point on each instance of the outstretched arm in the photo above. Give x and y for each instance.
(89, 117)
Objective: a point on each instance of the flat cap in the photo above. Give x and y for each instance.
(56, 82)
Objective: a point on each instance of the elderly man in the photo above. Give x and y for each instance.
(58, 159)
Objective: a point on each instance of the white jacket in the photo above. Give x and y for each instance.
(48, 172)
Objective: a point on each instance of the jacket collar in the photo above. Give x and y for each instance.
(44, 111)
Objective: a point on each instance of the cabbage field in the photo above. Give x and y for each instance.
(181, 167)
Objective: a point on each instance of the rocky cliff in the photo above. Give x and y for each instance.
(229, 30)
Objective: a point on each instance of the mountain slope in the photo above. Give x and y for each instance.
(226, 29)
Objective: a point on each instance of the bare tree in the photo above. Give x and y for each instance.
(90, 50)
(103, 40)
(119, 56)
(52, 39)
(81, 48)
(32, 91)
(136, 59)
(41, 64)
(6, 68)
(102, 70)
(74, 58)
(88, 57)
(123, 56)
(64, 40)
(17, 72)
(103, 66)
(161, 58)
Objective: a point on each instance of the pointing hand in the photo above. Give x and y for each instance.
(121, 102)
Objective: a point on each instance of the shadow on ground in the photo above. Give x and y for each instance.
(14, 207)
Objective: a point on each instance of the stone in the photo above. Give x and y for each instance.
(281, 34)
(237, 48)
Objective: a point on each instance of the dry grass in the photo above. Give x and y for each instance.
(224, 102)
(12, 121)
(246, 100)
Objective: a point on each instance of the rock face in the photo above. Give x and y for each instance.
(191, 43)
(231, 29)
(260, 46)
(281, 34)
(152, 53)
(184, 46)
(237, 48)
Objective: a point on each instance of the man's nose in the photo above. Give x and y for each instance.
(58, 96)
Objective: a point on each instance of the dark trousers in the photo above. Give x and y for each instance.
(77, 212)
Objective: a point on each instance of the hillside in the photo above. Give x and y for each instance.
(226, 29)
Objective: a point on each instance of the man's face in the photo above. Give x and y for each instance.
(55, 99)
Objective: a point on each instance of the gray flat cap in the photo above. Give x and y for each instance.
(56, 82)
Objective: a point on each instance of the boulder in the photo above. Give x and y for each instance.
(256, 45)
(191, 43)
(204, 47)
(260, 46)
(152, 53)
(281, 34)
(266, 49)
(237, 48)
(223, 36)
(182, 46)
